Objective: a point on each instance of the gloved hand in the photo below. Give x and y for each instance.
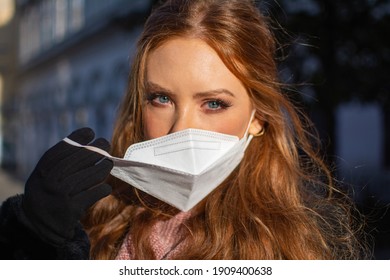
(66, 181)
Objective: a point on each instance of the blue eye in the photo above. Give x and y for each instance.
(158, 99)
(214, 104)
(217, 104)
(163, 99)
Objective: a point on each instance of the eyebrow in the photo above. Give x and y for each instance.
(203, 94)
(155, 87)
(213, 92)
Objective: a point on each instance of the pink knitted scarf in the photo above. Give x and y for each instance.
(166, 239)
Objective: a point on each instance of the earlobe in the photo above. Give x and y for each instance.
(256, 127)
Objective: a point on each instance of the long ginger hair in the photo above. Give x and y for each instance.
(279, 203)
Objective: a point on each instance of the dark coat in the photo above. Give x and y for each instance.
(19, 242)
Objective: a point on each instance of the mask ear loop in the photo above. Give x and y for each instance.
(250, 136)
(91, 148)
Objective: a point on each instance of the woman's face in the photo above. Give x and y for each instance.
(188, 86)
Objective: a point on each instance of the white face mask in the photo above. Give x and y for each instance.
(180, 168)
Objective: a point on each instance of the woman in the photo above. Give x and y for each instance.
(279, 203)
(210, 65)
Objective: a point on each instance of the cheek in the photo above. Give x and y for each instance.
(233, 126)
(154, 126)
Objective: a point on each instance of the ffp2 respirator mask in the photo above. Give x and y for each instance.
(180, 168)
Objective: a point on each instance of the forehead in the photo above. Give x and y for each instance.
(188, 60)
(184, 52)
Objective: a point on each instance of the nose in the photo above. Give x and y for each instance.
(184, 120)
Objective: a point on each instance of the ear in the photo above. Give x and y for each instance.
(255, 127)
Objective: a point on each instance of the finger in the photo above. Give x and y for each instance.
(62, 150)
(75, 163)
(82, 159)
(89, 197)
(88, 177)
(82, 136)
(101, 143)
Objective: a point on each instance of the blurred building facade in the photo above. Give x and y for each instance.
(8, 59)
(72, 66)
(341, 59)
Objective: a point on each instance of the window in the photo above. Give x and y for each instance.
(61, 15)
(386, 134)
(76, 16)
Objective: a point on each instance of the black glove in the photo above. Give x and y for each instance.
(65, 183)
